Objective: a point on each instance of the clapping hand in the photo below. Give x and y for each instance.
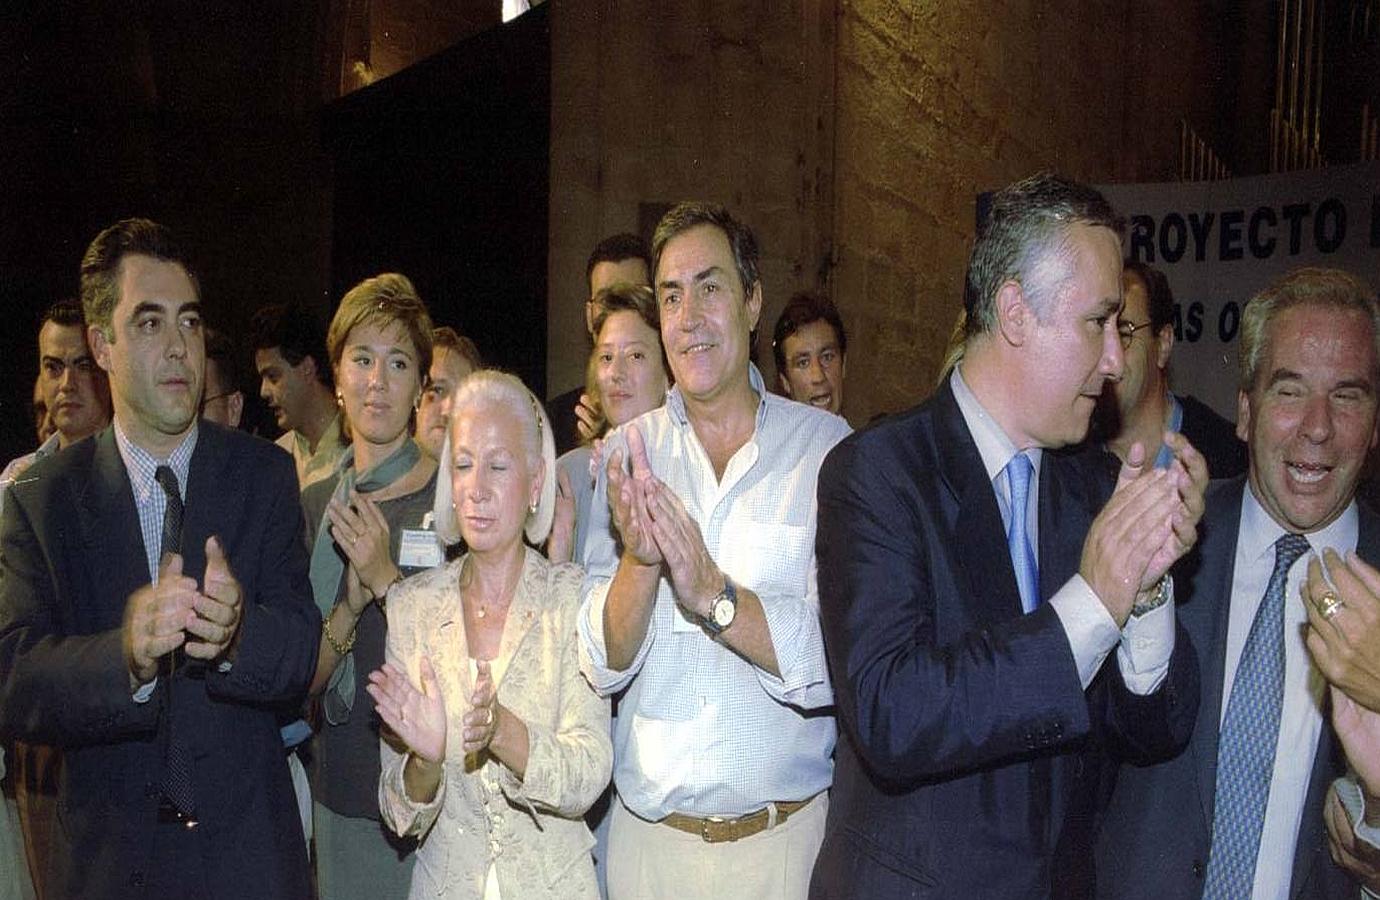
(628, 495)
(416, 716)
(217, 609)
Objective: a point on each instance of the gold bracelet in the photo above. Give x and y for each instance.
(340, 650)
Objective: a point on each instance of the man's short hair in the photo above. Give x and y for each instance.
(1159, 302)
(684, 216)
(295, 333)
(1026, 222)
(443, 336)
(1332, 288)
(387, 299)
(67, 312)
(616, 248)
(802, 309)
(221, 351)
(100, 266)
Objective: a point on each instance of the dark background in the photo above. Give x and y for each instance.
(211, 118)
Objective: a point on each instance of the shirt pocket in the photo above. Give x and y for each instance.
(767, 558)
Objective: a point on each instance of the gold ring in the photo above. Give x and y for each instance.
(1329, 605)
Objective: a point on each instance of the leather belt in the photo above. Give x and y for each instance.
(719, 830)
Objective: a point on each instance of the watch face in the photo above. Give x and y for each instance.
(724, 610)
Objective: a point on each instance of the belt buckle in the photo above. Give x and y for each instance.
(705, 824)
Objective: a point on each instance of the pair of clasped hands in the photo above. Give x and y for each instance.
(1150, 521)
(177, 612)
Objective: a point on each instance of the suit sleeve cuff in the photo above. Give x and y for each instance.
(1091, 631)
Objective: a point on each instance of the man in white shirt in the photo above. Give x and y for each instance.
(1240, 813)
(701, 600)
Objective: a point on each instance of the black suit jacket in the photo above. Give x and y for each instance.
(967, 764)
(71, 553)
(1214, 437)
(1155, 839)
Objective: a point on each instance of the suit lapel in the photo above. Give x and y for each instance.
(982, 553)
(522, 612)
(109, 526)
(1208, 573)
(210, 507)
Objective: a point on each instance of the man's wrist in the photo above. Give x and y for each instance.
(1153, 599)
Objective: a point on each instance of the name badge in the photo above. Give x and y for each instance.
(420, 549)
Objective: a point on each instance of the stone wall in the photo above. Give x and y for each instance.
(854, 135)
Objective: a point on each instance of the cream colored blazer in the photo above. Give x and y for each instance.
(531, 830)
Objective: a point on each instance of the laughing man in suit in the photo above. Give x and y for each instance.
(1240, 813)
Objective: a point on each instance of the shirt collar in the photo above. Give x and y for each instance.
(675, 403)
(141, 464)
(48, 447)
(995, 448)
(1259, 530)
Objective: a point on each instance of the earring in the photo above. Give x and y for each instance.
(339, 399)
(532, 509)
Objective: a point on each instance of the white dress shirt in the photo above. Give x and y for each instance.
(1146, 643)
(701, 731)
(1301, 718)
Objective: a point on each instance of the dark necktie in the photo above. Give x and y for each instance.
(176, 785)
(1249, 735)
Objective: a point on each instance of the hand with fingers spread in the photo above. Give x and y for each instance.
(560, 546)
(417, 716)
(628, 495)
(1126, 537)
(481, 719)
(215, 620)
(155, 619)
(362, 532)
(1344, 624)
(695, 576)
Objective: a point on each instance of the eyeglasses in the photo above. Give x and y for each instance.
(206, 402)
(1127, 332)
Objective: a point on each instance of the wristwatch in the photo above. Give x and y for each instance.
(722, 609)
(1164, 592)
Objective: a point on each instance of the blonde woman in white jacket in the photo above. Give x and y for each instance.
(499, 745)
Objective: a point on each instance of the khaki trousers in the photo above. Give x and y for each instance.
(648, 861)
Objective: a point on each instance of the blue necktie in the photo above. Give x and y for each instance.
(1018, 472)
(1246, 744)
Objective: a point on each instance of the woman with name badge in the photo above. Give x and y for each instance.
(503, 743)
(371, 527)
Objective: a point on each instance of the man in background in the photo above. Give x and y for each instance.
(1139, 407)
(811, 349)
(296, 381)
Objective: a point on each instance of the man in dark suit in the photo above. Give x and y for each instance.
(1240, 813)
(154, 608)
(966, 616)
(1138, 408)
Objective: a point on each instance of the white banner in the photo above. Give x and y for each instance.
(1220, 242)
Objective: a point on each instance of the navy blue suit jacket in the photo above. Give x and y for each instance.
(1155, 839)
(968, 761)
(71, 553)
